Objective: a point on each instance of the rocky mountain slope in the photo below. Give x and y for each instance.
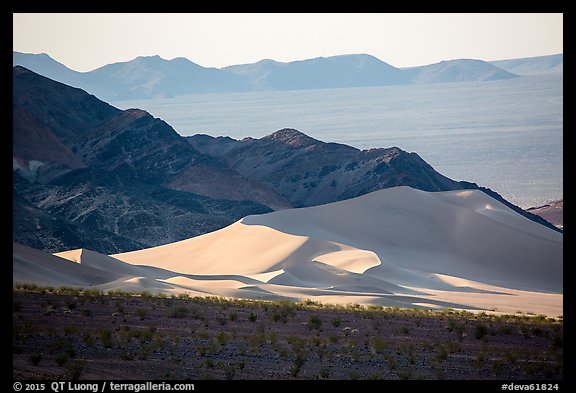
(91, 165)
(310, 172)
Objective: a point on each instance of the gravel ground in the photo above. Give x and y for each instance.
(80, 336)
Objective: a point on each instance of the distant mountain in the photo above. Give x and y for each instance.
(533, 65)
(44, 65)
(464, 70)
(153, 77)
(319, 73)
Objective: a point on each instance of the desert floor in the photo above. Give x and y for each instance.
(90, 335)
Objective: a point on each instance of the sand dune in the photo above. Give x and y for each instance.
(397, 247)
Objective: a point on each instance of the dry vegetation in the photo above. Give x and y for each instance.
(82, 334)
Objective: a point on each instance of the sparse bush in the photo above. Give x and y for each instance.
(74, 371)
(89, 340)
(233, 316)
(61, 359)
(68, 330)
(392, 364)
(252, 317)
(378, 345)
(178, 312)
(314, 322)
(297, 364)
(106, 338)
(335, 322)
(441, 353)
(141, 313)
(557, 342)
(35, 358)
(480, 331)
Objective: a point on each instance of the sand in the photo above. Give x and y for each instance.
(394, 247)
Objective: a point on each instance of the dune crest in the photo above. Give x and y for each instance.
(394, 247)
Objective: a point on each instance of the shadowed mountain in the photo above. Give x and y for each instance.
(91, 164)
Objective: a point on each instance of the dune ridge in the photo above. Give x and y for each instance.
(395, 247)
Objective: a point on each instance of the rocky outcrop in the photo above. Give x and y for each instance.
(309, 172)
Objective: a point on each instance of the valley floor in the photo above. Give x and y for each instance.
(90, 335)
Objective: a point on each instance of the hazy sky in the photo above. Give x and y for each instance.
(87, 41)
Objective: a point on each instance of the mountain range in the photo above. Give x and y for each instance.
(87, 174)
(149, 77)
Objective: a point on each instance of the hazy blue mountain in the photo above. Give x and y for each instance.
(318, 73)
(154, 77)
(533, 65)
(462, 70)
(44, 65)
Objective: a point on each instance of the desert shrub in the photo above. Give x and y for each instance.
(178, 312)
(557, 342)
(441, 353)
(378, 345)
(74, 371)
(314, 322)
(61, 359)
(106, 338)
(68, 330)
(324, 373)
(297, 364)
(480, 331)
(392, 363)
(252, 317)
(35, 358)
(336, 322)
(141, 313)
